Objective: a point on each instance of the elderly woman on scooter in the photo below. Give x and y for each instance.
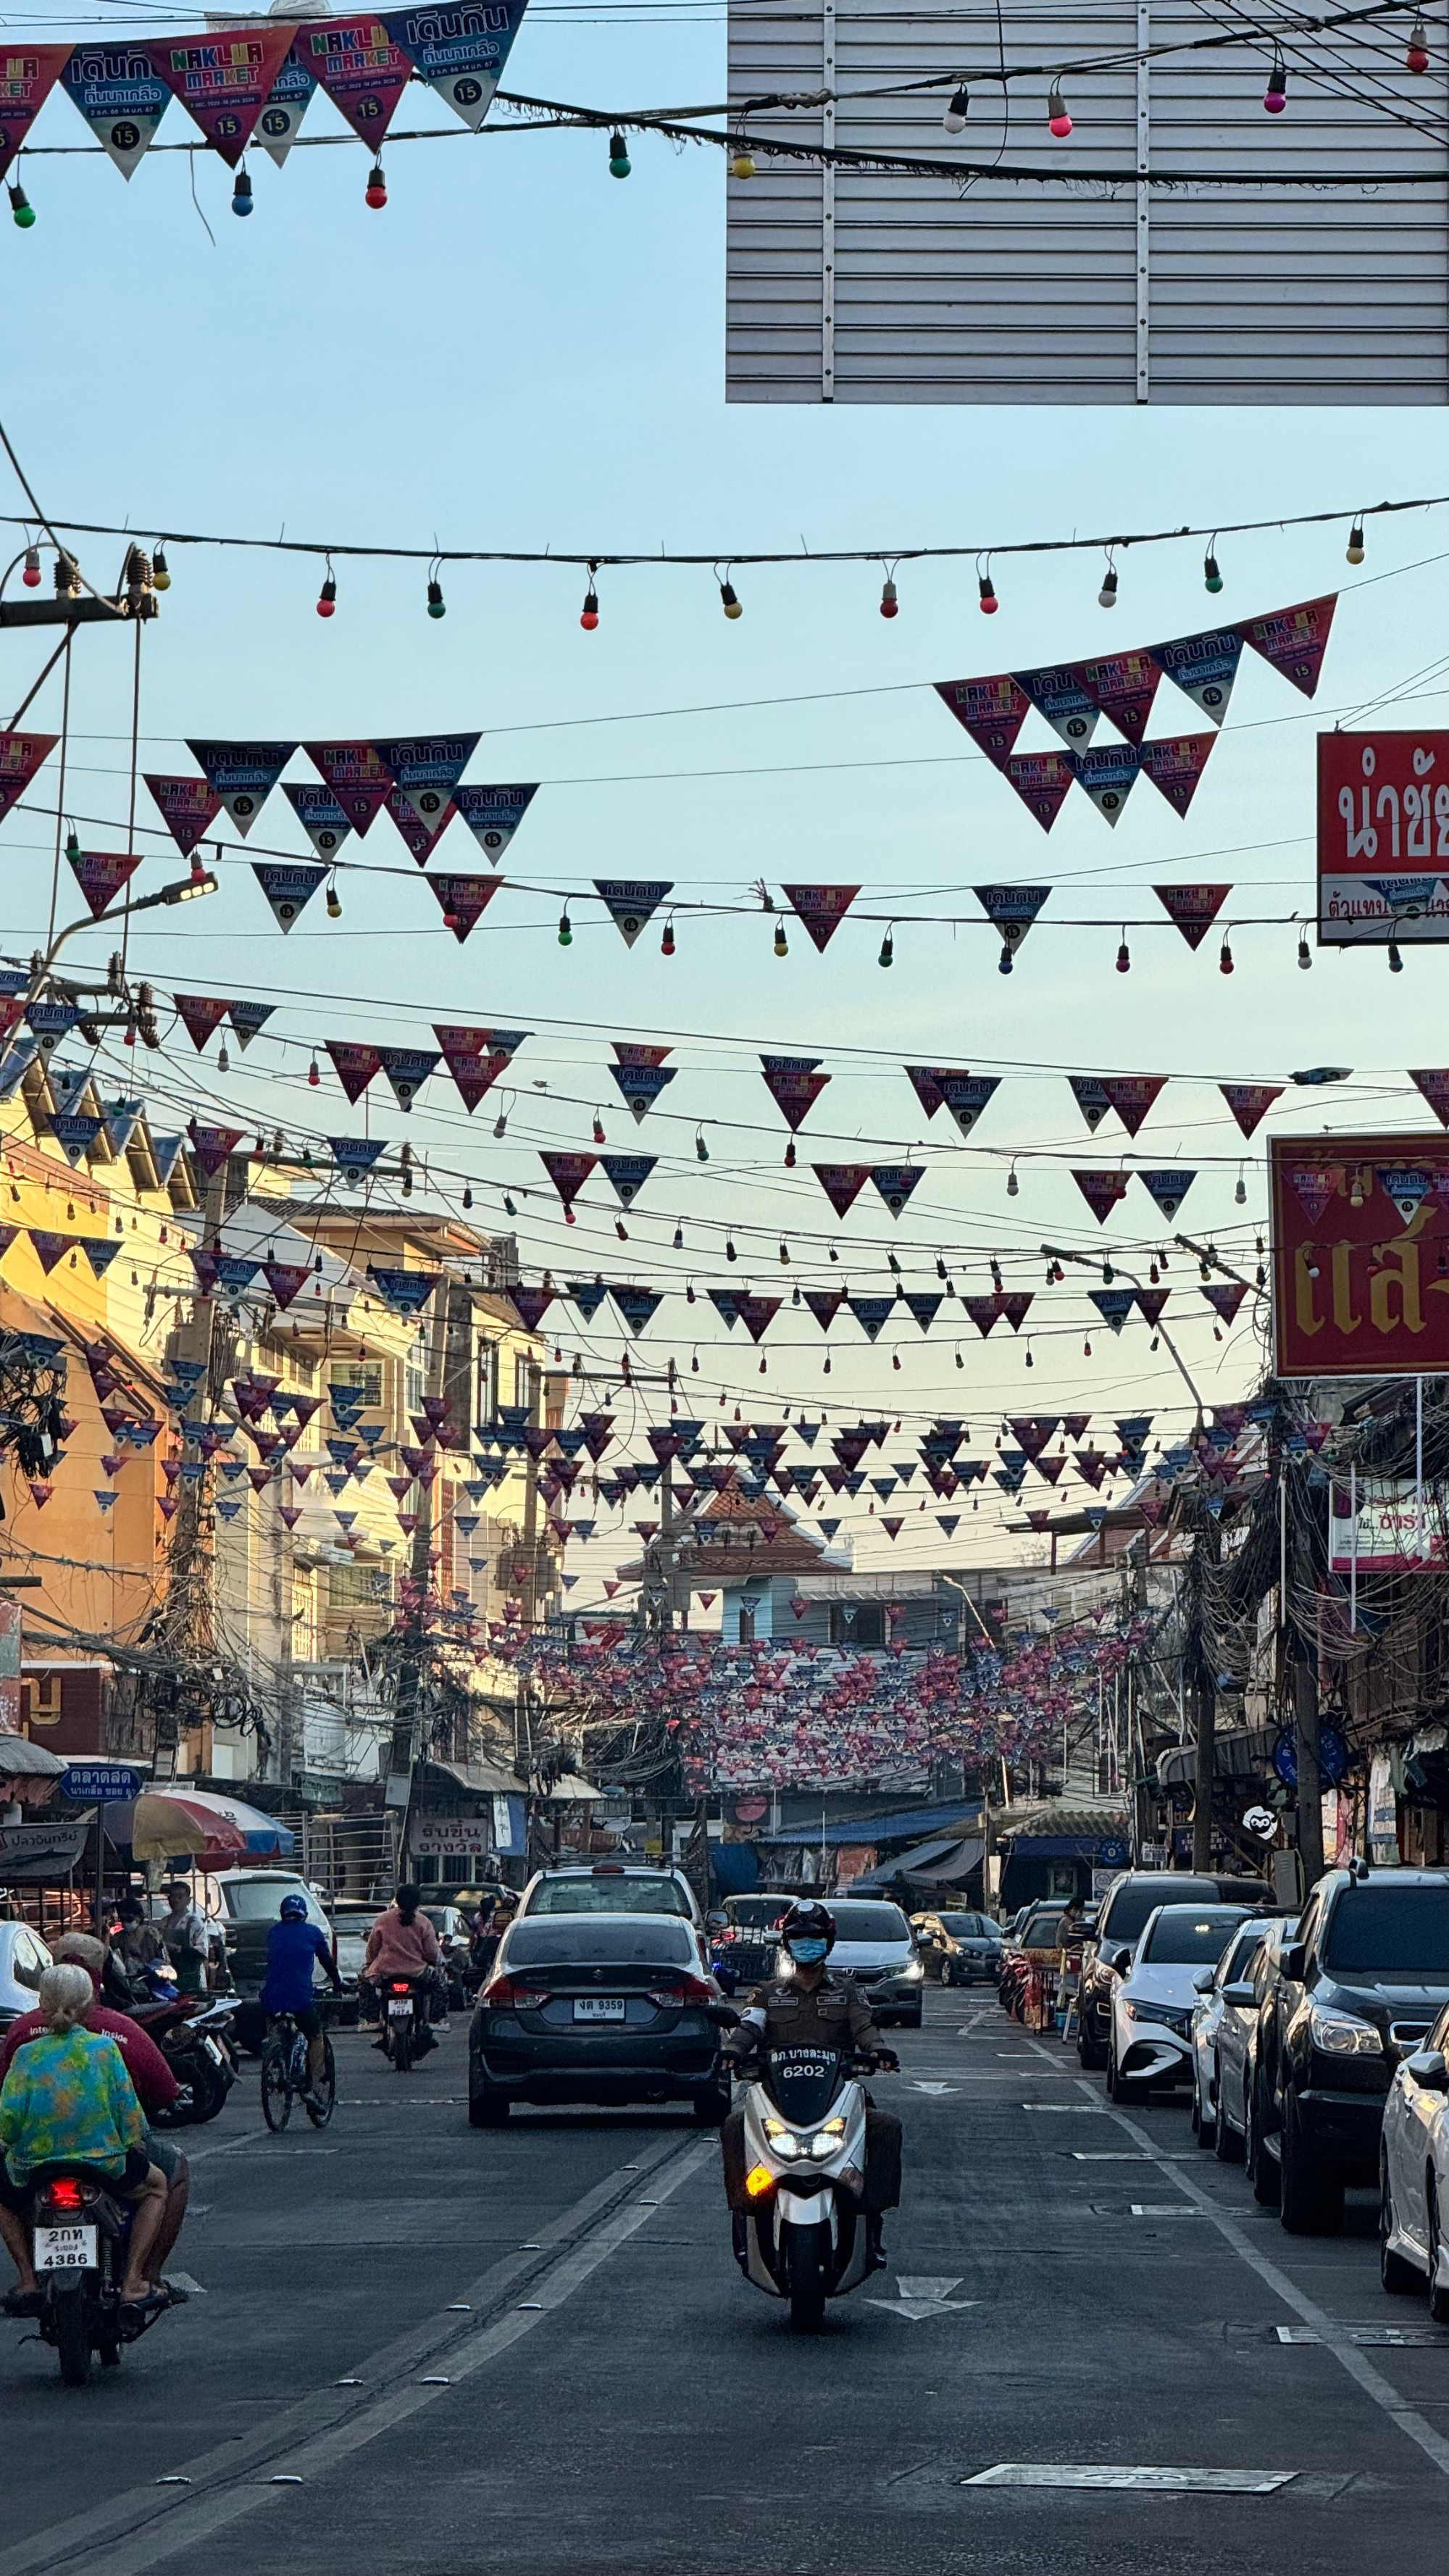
(68, 2100)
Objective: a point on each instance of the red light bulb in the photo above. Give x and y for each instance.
(31, 574)
(1275, 96)
(889, 604)
(989, 601)
(327, 598)
(1059, 122)
(375, 194)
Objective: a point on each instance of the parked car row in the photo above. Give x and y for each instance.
(1314, 2049)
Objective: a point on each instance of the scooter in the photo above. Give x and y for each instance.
(405, 2033)
(195, 2038)
(79, 2234)
(804, 2235)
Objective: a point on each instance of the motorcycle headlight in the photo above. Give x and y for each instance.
(783, 2140)
(1340, 2035)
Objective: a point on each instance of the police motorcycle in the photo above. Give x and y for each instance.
(804, 2235)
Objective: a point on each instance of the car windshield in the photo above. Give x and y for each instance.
(1183, 1937)
(609, 1896)
(1390, 1932)
(578, 1942)
(1239, 1959)
(1136, 1899)
(258, 1900)
(1039, 1930)
(755, 1913)
(964, 1927)
(856, 1922)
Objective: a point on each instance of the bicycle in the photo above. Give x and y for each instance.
(285, 2073)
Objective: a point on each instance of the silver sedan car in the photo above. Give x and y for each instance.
(1217, 2009)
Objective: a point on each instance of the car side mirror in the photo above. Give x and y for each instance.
(724, 2016)
(1121, 1961)
(1293, 1960)
(1429, 2070)
(1241, 1992)
(716, 1922)
(1202, 1983)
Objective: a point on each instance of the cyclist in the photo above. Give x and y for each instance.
(294, 1947)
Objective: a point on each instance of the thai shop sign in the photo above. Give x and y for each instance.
(1360, 1225)
(453, 1837)
(1383, 838)
(1389, 1533)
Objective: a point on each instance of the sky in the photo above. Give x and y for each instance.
(521, 351)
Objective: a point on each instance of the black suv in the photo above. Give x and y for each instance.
(1358, 1985)
(1123, 1915)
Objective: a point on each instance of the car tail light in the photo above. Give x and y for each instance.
(608, 1869)
(65, 2193)
(684, 1990)
(503, 1990)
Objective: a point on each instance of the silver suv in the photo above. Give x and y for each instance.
(611, 1887)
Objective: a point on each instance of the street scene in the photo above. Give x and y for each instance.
(724, 1290)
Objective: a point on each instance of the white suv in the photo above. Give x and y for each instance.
(611, 1887)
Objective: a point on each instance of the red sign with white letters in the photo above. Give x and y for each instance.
(1360, 1230)
(1383, 838)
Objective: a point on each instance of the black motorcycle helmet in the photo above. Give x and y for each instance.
(809, 1922)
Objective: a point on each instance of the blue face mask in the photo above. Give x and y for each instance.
(808, 1952)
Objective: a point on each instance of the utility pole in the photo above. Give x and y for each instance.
(1200, 1676)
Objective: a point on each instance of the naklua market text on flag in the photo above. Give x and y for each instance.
(21, 755)
(187, 806)
(224, 79)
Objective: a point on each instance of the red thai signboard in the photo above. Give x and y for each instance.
(1360, 1256)
(1383, 838)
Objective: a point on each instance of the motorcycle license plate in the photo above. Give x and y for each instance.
(66, 2249)
(213, 2049)
(599, 2008)
(402, 2010)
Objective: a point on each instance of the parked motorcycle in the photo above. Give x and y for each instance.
(405, 2033)
(79, 2233)
(195, 2038)
(804, 2236)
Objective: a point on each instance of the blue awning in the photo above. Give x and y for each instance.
(904, 1826)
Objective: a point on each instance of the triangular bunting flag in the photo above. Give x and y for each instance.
(187, 806)
(588, 1295)
(794, 1085)
(842, 1183)
(49, 1247)
(627, 1174)
(568, 1173)
(530, 1304)
(363, 72)
(983, 1311)
(354, 1065)
(493, 815)
(1294, 640)
(1168, 1189)
(121, 96)
(354, 1156)
(993, 712)
(74, 1133)
(21, 754)
(285, 108)
(242, 774)
(1123, 685)
(1090, 1098)
(925, 1308)
(286, 1280)
(895, 1182)
(199, 1014)
(1194, 908)
(1248, 1101)
(353, 770)
(101, 875)
(1132, 1095)
(1175, 764)
(641, 1084)
(1204, 667)
(871, 1313)
(966, 1095)
(406, 1291)
(407, 1069)
(825, 1305)
(212, 1146)
(224, 79)
(1225, 1297)
(1102, 1190)
(288, 889)
(631, 902)
(1314, 1185)
(925, 1082)
(459, 55)
(822, 908)
(758, 1313)
(1107, 775)
(726, 1304)
(247, 1018)
(1057, 693)
(636, 1305)
(30, 73)
(425, 768)
(1041, 780)
(1406, 1188)
(420, 838)
(1011, 910)
(319, 814)
(1434, 1086)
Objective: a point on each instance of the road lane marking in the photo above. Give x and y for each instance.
(924, 2295)
(1398, 2338)
(1032, 2473)
(1163, 2209)
(227, 2146)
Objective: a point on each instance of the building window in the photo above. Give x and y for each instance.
(361, 1377)
(355, 1587)
(857, 1623)
(747, 1623)
(415, 1385)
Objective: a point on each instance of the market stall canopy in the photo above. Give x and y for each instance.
(196, 1824)
(572, 1785)
(485, 1779)
(28, 1772)
(944, 1861)
(1240, 1755)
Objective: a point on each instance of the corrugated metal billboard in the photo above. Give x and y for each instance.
(882, 286)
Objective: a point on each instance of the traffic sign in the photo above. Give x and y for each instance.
(101, 1784)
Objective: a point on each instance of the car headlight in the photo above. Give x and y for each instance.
(912, 1972)
(1340, 2035)
(1162, 2013)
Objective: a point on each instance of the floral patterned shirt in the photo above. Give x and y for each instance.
(69, 2100)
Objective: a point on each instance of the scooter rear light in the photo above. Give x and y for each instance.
(66, 2193)
(758, 2181)
(400, 1986)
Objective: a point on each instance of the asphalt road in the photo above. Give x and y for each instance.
(427, 2349)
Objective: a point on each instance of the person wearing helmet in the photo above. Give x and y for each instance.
(294, 1947)
(803, 2006)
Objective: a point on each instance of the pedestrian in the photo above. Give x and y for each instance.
(186, 1938)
